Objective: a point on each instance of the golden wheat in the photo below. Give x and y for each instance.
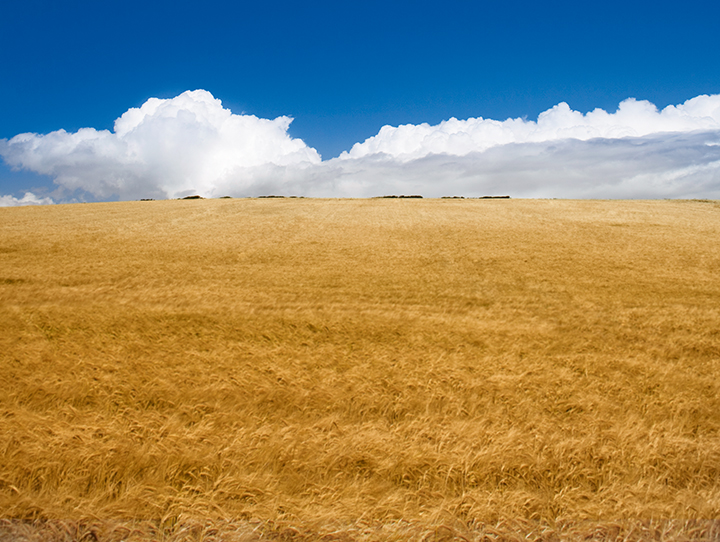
(360, 370)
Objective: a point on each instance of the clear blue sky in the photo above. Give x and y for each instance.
(344, 69)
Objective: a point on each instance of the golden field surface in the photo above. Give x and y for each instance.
(379, 369)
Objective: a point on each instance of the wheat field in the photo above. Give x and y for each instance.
(370, 370)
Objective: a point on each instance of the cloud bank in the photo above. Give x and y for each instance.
(461, 137)
(191, 144)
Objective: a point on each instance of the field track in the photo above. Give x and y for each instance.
(380, 369)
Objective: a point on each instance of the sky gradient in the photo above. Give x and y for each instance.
(343, 71)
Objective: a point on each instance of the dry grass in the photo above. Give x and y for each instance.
(360, 370)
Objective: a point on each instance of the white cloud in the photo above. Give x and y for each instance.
(166, 148)
(460, 137)
(191, 144)
(28, 199)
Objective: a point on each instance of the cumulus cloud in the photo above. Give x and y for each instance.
(191, 144)
(166, 148)
(460, 137)
(28, 199)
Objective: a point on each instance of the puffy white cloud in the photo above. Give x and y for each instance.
(459, 137)
(166, 148)
(28, 199)
(191, 144)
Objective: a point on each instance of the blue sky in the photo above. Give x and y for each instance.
(343, 70)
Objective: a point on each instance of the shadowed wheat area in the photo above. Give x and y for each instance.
(299, 369)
